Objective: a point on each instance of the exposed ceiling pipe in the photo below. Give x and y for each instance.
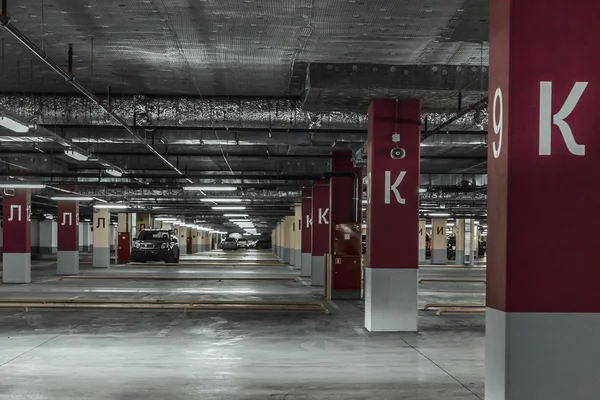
(471, 108)
(5, 22)
(207, 113)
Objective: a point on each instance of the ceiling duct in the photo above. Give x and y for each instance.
(196, 112)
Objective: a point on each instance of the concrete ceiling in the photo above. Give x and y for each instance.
(228, 89)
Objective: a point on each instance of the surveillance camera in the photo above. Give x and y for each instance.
(397, 153)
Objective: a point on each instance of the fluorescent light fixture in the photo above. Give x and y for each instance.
(211, 188)
(364, 202)
(166, 219)
(10, 185)
(222, 200)
(117, 173)
(428, 226)
(115, 206)
(364, 209)
(235, 215)
(451, 224)
(422, 190)
(71, 198)
(229, 208)
(76, 155)
(476, 222)
(439, 214)
(13, 125)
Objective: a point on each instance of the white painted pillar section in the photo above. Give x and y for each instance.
(183, 234)
(48, 237)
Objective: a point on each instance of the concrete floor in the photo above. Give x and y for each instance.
(115, 354)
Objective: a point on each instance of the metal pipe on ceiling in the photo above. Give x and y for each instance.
(471, 108)
(244, 113)
(5, 22)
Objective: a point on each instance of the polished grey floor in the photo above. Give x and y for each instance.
(116, 354)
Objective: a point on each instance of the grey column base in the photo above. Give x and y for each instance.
(318, 271)
(306, 269)
(101, 257)
(67, 263)
(391, 300)
(460, 257)
(112, 248)
(297, 259)
(90, 248)
(345, 294)
(34, 250)
(84, 249)
(292, 256)
(286, 255)
(16, 268)
(47, 250)
(422, 256)
(438, 257)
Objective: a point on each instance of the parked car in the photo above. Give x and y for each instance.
(242, 243)
(252, 244)
(155, 245)
(230, 244)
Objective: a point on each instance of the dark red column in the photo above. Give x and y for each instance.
(16, 256)
(392, 216)
(320, 230)
(306, 232)
(345, 226)
(543, 295)
(68, 238)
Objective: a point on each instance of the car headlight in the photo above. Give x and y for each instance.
(136, 245)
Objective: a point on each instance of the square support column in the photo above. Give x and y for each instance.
(48, 239)
(459, 231)
(320, 231)
(183, 235)
(101, 237)
(543, 314)
(439, 241)
(392, 216)
(306, 247)
(16, 256)
(345, 199)
(68, 238)
(298, 237)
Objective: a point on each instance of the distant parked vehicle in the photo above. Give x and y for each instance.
(242, 243)
(155, 245)
(230, 244)
(252, 244)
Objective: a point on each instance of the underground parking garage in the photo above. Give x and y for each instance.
(298, 200)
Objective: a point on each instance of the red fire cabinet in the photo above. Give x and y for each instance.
(123, 247)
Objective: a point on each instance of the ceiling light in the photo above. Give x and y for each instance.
(10, 185)
(115, 206)
(165, 219)
(364, 202)
(222, 200)
(71, 198)
(235, 215)
(13, 125)
(439, 214)
(211, 188)
(428, 226)
(451, 224)
(422, 190)
(229, 208)
(76, 155)
(117, 173)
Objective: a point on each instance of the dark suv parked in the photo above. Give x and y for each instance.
(155, 245)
